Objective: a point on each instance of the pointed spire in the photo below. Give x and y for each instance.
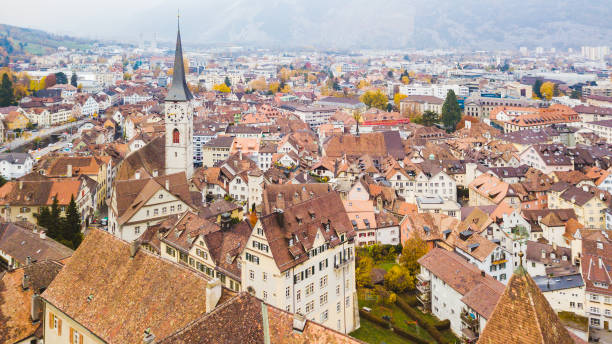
(523, 315)
(179, 90)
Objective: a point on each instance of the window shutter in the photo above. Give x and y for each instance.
(80, 338)
(50, 320)
(59, 326)
(72, 336)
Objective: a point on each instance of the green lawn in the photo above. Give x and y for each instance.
(448, 335)
(385, 265)
(374, 334)
(399, 318)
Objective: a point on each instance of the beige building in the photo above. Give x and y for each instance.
(215, 150)
(136, 204)
(211, 249)
(588, 202)
(300, 258)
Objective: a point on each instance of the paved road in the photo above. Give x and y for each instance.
(36, 154)
(41, 133)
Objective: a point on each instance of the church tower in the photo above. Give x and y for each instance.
(179, 119)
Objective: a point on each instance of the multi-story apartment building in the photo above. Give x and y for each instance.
(15, 165)
(211, 249)
(481, 106)
(314, 116)
(603, 128)
(300, 258)
(589, 203)
(215, 150)
(422, 180)
(452, 288)
(595, 263)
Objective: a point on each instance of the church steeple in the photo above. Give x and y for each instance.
(179, 90)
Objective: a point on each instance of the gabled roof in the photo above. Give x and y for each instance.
(291, 234)
(15, 302)
(142, 292)
(522, 315)
(20, 243)
(244, 318)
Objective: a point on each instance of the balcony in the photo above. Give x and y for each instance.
(470, 319)
(425, 300)
(342, 262)
(422, 278)
(423, 287)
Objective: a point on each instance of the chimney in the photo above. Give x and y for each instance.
(213, 294)
(25, 281)
(585, 188)
(543, 254)
(280, 217)
(28, 260)
(69, 171)
(226, 221)
(43, 235)
(554, 246)
(35, 308)
(299, 322)
(240, 154)
(20, 184)
(149, 337)
(134, 248)
(167, 184)
(137, 175)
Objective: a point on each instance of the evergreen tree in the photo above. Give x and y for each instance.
(430, 118)
(71, 225)
(53, 226)
(536, 88)
(73, 80)
(6, 91)
(60, 78)
(451, 112)
(227, 82)
(44, 218)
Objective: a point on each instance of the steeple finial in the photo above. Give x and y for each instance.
(179, 90)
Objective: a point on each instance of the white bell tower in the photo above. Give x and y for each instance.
(179, 119)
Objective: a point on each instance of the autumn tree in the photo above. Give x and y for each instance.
(451, 112)
(258, 84)
(397, 98)
(547, 90)
(274, 87)
(223, 88)
(430, 118)
(399, 279)
(363, 271)
(414, 248)
(362, 83)
(375, 99)
(50, 81)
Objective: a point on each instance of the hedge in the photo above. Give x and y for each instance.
(443, 325)
(409, 336)
(374, 319)
(417, 317)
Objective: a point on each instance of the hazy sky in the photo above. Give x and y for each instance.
(327, 23)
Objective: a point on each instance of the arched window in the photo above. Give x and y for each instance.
(175, 136)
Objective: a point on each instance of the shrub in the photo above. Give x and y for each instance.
(374, 319)
(435, 334)
(443, 325)
(409, 336)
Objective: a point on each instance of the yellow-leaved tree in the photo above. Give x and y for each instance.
(222, 87)
(397, 98)
(375, 99)
(414, 248)
(405, 80)
(274, 87)
(258, 84)
(547, 90)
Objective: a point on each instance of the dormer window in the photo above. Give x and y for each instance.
(290, 242)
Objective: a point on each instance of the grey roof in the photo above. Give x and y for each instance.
(221, 141)
(558, 283)
(14, 158)
(179, 90)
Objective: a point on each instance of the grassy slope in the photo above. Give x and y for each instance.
(38, 42)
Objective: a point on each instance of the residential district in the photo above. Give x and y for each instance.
(237, 195)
